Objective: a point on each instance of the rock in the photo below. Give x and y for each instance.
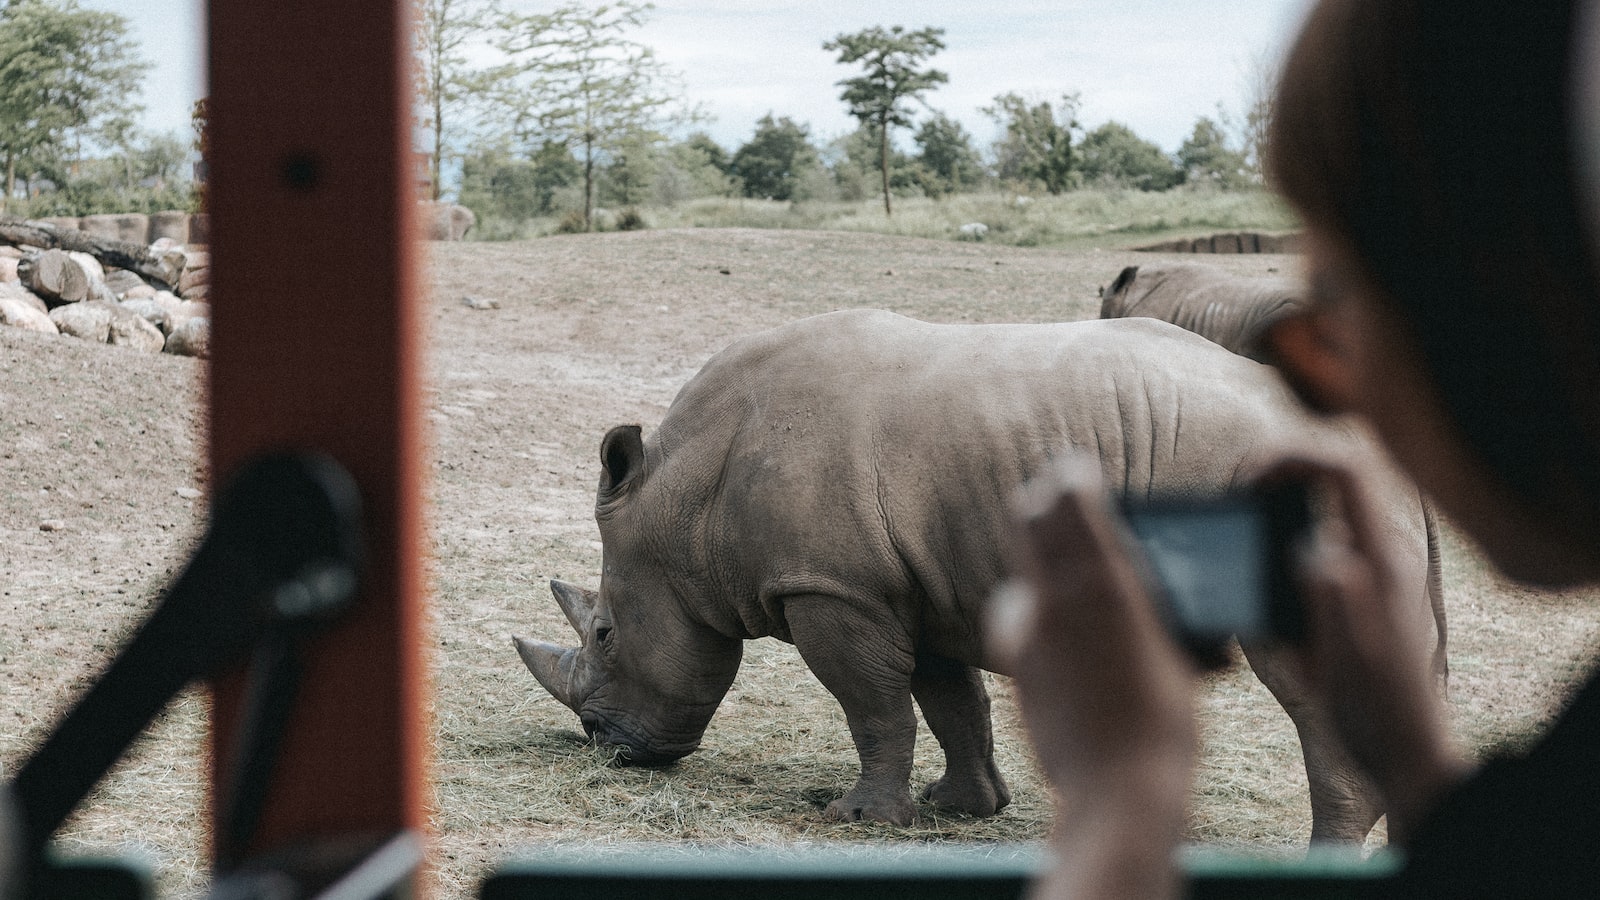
(17, 292)
(189, 493)
(151, 311)
(190, 309)
(61, 221)
(200, 293)
(121, 281)
(99, 291)
(193, 278)
(163, 244)
(52, 525)
(90, 320)
(974, 230)
(191, 337)
(90, 266)
(446, 221)
(472, 302)
(8, 251)
(200, 228)
(143, 291)
(171, 225)
(19, 314)
(55, 275)
(8, 268)
(129, 329)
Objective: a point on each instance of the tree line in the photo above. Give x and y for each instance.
(564, 110)
(69, 82)
(577, 113)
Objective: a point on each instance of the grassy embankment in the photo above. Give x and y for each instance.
(1079, 220)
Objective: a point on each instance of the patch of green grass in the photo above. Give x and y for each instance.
(1079, 219)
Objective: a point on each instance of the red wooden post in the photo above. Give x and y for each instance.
(316, 344)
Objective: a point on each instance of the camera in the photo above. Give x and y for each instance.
(1223, 567)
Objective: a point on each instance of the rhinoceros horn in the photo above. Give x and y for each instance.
(553, 666)
(576, 603)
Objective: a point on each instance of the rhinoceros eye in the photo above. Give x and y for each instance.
(602, 635)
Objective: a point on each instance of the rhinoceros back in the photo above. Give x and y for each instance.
(871, 455)
(1233, 310)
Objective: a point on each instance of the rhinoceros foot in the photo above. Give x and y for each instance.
(864, 805)
(976, 793)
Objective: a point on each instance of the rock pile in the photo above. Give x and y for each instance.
(106, 285)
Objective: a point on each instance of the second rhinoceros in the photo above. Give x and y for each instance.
(841, 483)
(1236, 311)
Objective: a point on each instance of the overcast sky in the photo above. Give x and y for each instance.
(1154, 65)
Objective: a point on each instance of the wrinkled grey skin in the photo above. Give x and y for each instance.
(1234, 310)
(1237, 311)
(842, 483)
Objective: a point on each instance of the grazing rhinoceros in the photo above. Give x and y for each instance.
(841, 483)
(1234, 310)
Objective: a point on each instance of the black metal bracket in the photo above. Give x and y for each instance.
(280, 559)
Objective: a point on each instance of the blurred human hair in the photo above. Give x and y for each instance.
(1432, 140)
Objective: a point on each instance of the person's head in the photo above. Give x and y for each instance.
(1426, 145)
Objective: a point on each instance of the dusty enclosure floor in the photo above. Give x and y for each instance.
(102, 447)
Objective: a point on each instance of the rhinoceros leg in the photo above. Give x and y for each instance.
(866, 664)
(1344, 803)
(956, 707)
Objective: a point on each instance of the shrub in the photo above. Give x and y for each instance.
(630, 219)
(571, 223)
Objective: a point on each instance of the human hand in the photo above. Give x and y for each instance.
(1360, 663)
(1106, 695)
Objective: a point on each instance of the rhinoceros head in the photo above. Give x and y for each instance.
(647, 677)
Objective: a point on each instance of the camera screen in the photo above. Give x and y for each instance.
(1209, 561)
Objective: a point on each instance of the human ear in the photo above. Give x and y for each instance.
(1314, 357)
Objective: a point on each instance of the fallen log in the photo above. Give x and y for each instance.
(165, 267)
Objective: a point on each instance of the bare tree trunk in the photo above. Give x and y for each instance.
(11, 181)
(588, 182)
(883, 161)
(438, 136)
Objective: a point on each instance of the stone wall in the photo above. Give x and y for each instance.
(1230, 242)
(439, 222)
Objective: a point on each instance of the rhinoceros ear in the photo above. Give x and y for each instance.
(621, 456)
(1122, 282)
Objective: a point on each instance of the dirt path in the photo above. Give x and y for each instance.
(103, 448)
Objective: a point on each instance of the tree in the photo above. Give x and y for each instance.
(772, 162)
(631, 171)
(878, 98)
(1205, 156)
(696, 166)
(1261, 86)
(492, 180)
(1037, 142)
(947, 162)
(1113, 154)
(576, 79)
(444, 30)
(66, 74)
(855, 160)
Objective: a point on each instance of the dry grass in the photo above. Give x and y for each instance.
(594, 331)
(1075, 219)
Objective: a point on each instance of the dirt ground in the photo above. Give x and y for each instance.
(101, 455)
